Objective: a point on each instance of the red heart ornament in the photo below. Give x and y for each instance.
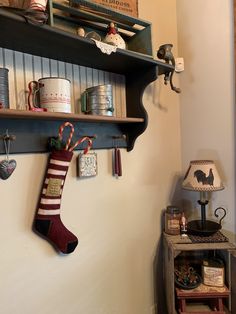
(6, 168)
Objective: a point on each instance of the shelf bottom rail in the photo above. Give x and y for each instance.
(32, 136)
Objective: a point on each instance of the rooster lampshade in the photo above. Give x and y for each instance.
(202, 176)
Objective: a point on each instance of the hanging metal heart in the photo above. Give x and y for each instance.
(6, 168)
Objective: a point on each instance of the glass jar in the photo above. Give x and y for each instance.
(172, 220)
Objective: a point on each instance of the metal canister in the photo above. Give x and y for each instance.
(4, 88)
(98, 100)
(172, 220)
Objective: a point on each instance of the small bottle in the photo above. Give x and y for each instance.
(183, 225)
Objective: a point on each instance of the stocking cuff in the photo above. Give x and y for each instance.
(63, 155)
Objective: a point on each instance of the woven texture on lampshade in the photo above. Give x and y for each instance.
(202, 175)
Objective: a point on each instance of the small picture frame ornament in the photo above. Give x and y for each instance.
(87, 165)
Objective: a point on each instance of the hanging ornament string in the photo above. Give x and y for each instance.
(68, 142)
(7, 144)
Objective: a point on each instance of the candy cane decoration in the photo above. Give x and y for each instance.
(61, 129)
(85, 138)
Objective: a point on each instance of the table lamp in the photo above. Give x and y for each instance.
(202, 176)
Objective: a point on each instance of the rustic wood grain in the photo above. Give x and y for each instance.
(235, 30)
(174, 246)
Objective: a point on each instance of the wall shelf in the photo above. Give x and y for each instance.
(54, 43)
(33, 129)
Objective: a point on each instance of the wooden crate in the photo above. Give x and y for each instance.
(128, 7)
(19, 4)
(95, 17)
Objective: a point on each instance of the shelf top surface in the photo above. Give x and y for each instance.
(27, 114)
(47, 41)
(185, 244)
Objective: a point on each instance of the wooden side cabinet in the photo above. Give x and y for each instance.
(176, 248)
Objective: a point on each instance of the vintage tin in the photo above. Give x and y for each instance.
(172, 220)
(213, 272)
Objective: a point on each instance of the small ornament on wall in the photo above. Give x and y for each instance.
(87, 165)
(7, 166)
(87, 162)
(116, 160)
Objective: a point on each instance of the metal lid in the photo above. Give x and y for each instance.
(172, 209)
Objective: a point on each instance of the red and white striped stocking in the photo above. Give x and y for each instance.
(47, 220)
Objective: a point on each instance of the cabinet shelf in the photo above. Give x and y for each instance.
(32, 129)
(25, 114)
(54, 43)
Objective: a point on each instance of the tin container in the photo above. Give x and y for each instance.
(213, 272)
(98, 100)
(172, 220)
(4, 88)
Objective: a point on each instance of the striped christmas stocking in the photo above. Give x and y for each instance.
(47, 220)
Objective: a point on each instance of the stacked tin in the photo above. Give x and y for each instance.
(4, 88)
(98, 100)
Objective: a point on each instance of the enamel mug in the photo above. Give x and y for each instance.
(50, 94)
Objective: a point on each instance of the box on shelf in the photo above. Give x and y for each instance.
(128, 7)
(19, 4)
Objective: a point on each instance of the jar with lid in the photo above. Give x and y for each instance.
(172, 220)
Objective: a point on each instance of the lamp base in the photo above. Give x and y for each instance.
(197, 227)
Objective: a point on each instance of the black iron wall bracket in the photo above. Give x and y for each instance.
(164, 52)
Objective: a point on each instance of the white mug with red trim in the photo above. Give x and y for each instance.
(54, 94)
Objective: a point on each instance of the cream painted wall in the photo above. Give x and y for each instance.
(205, 39)
(118, 222)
